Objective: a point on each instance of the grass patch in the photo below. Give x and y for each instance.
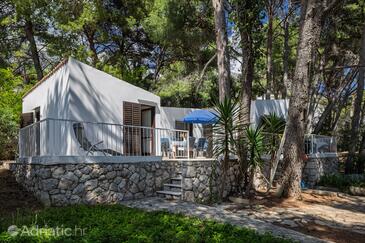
(342, 182)
(116, 223)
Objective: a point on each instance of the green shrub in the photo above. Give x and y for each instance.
(342, 182)
(117, 223)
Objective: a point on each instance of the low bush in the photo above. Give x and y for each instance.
(342, 182)
(117, 223)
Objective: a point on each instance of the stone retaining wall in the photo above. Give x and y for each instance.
(64, 184)
(315, 167)
(201, 181)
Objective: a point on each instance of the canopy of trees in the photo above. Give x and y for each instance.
(189, 51)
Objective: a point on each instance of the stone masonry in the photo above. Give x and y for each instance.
(61, 184)
(201, 182)
(64, 184)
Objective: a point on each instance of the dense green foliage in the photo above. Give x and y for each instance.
(11, 90)
(121, 224)
(168, 47)
(342, 182)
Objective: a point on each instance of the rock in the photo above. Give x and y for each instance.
(80, 188)
(58, 200)
(133, 189)
(91, 184)
(44, 198)
(113, 186)
(70, 176)
(143, 173)
(65, 184)
(75, 199)
(357, 191)
(49, 184)
(84, 178)
(134, 178)
(118, 197)
(239, 200)
(142, 185)
(187, 184)
(90, 198)
(117, 180)
(68, 181)
(109, 168)
(54, 191)
(44, 173)
(125, 172)
(58, 172)
(78, 173)
(289, 223)
(70, 167)
(203, 178)
(110, 175)
(104, 185)
(316, 221)
(122, 184)
(189, 196)
(86, 170)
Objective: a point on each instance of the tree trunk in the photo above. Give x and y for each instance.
(309, 36)
(269, 60)
(222, 50)
(90, 32)
(355, 123)
(286, 57)
(361, 80)
(246, 95)
(28, 28)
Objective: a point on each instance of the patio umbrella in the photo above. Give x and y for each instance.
(201, 116)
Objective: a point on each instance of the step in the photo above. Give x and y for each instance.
(173, 185)
(169, 193)
(176, 178)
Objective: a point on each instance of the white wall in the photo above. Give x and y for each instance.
(265, 107)
(80, 92)
(98, 97)
(51, 95)
(171, 114)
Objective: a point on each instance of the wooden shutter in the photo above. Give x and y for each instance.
(26, 119)
(132, 135)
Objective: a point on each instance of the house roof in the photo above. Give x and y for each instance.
(58, 66)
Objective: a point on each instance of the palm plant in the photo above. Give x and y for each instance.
(273, 126)
(255, 145)
(224, 131)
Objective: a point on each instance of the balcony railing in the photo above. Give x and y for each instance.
(313, 144)
(57, 137)
(319, 144)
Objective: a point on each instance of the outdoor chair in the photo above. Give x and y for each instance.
(202, 147)
(166, 147)
(86, 145)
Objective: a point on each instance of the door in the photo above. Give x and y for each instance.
(148, 118)
(131, 131)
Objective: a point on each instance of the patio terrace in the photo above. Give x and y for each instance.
(72, 141)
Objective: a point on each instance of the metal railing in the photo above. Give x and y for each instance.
(58, 137)
(313, 144)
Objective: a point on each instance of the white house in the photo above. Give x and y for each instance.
(80, 110)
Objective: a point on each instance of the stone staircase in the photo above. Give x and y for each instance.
(172, 190)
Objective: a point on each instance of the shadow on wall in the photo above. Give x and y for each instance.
(265, 107)
(81, 102)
